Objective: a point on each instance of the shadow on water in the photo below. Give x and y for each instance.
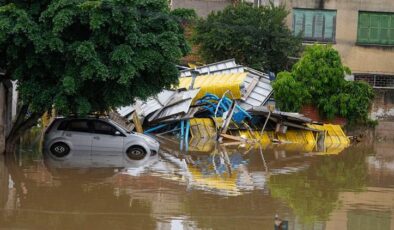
(212, 187)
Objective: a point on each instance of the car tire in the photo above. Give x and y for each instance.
(60, 149)
(136, 153)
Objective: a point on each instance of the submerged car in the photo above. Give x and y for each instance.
(94, 136)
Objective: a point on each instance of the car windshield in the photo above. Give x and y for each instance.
(120, 127)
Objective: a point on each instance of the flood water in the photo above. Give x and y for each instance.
(210, 187)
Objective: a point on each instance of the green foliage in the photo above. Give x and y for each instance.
(185, 15)
(83, 56)
(319, 74)
(254, 36)
(289, 93)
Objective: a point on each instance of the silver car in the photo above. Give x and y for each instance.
(95, 136)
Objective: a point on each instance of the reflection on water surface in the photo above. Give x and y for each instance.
(219, 187)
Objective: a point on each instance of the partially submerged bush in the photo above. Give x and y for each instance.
(289, 93)
(318, 78)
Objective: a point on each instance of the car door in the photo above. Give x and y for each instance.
(78, 132)
(105, 141)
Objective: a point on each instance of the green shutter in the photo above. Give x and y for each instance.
(317, 25)
(376, 28)
(363, 27)
(384, 29)
(391, 30)
(298, 22)
(329, 27)
(308, 30)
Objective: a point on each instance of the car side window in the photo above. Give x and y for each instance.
(78, 126)
(104, 128)
(63, 125)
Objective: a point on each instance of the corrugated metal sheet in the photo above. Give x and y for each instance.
(217, 84)
(227, 66)
(250, 87)
(167, 103)
(125, 111)
(157, 102)
(178, 103)
(259, 94)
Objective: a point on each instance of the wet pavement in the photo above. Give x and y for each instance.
(214, 187)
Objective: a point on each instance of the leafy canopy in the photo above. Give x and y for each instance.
(83, 56)
(318, 78)
(292, 92)
(255, 36)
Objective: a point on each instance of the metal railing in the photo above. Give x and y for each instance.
(376, 80)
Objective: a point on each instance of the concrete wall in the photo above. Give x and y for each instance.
(4, 177)
(8, 109)
(383, 105)
(202, 7)
(360, 59)
(2, 116)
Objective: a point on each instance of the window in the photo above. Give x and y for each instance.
(63, 125)
(315, 25)
(104, 128)
(375, 28)
(78, 126)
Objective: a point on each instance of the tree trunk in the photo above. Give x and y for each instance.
(22, 124)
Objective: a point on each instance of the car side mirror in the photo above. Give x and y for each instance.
(117, 133)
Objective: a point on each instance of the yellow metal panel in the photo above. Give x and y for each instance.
(334, 134)
(223, 182)
(203, 127)
(216, 84)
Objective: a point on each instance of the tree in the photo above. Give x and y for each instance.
(188, 19)
(255, 36)
(289, 93)
(80, 56)
(320, 76)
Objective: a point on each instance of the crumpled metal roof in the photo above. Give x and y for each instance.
(178, 103)
(250, 87)
(216, 84)
(261, 91)
(226, 66)
(167, 104)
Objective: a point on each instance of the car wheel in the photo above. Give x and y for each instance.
(136, 153)
(60, 149)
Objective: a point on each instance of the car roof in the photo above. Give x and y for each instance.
(81, 118)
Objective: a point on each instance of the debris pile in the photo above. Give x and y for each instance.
(230, 103)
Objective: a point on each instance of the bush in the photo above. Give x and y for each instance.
(319, 78)
(289, 93)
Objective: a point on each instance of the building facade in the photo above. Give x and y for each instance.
(363, 33)
(202, 7)
(361, 30)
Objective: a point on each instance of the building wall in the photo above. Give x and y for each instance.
(360, 59)
(8, 109)
(2, 116)
(202, 7)
(383, 105)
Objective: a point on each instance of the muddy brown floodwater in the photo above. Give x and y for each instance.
(212, 187)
